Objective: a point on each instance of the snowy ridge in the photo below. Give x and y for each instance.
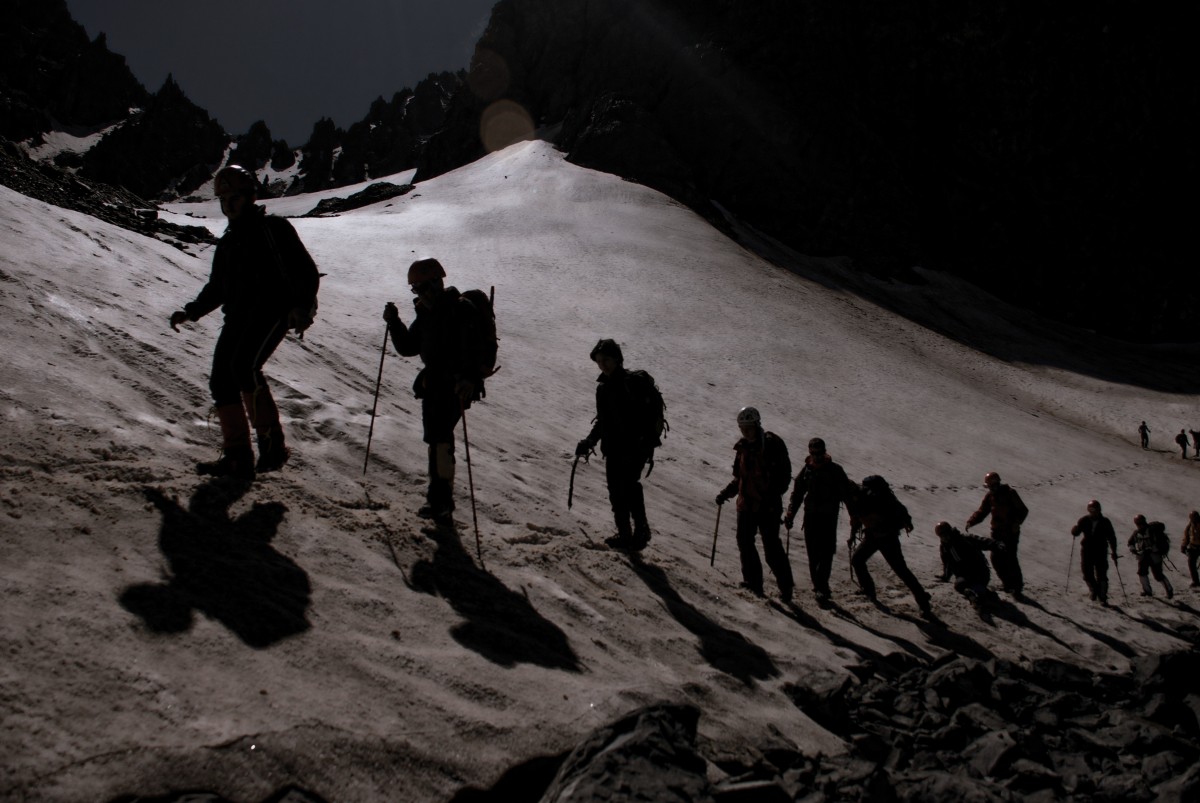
(160, 637)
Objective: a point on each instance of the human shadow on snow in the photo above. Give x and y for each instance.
(725, 649)
(223, 568)
(502, 625)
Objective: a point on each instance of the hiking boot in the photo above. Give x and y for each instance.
(923, 602)
(237, 464)
(441, 514)
(785, 593)
(753, 589)
(823, 599)
(641, 535)
(622, 542)
(272, 454)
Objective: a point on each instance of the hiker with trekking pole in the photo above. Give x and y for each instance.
(822, 487)
(451, 334)
(762, 472)
(1098, 540)
(628, 427)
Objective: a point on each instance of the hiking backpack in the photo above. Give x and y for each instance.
(1159, 539)
(486, 343)
(653, 407)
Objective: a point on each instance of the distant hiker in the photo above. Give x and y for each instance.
(266, 282)
(1099, 540)
(1191, 545)
(822, 487)
(963, 560)
(628, 426)
(1182, 440)
(1144, 432)
(1149, 543)
(444, 335)
(762, 472)
(876, 511)
(1008, 512)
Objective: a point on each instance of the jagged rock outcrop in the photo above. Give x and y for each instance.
(1040, 152)
(113, 204)
(52, 75)
(169, 149)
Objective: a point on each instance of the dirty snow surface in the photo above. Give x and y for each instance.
(163, 633)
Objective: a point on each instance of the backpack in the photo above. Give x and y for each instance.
(486, 342)
(652, 405)
(1159, 539)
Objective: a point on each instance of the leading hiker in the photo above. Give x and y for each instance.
(445, 336)
(761, 474)
(1099, 539)
(266, 282)
(628, 427)
(1008, 512)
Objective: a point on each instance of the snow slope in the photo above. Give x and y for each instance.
(162, 635)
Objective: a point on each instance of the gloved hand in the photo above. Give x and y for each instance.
(789, 518)
(465, 390)
(391, 314)
(722, 498)
(178, 317)
(583, 448)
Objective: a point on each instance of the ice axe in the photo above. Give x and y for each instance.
(387, 327)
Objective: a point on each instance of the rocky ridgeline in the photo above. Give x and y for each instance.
(959, 729)
(114, 205)
(372, 194)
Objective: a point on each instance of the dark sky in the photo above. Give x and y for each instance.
(288, 62)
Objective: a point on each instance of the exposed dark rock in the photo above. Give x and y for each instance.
(52, 75)
(169, 149)
(115, 205)
(374, 193)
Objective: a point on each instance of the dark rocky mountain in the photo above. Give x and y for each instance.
(52, 75)
(1042, 152)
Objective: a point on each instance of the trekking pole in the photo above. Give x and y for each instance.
(1117, 566)
(379, 380)
(713, 559)
(788, 549)
(571, 487)
(471, 482)
(1070, 561)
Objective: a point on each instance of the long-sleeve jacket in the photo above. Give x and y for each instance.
(761, 473)
(442, 335)
(1098, 534)
(962, 557)
(878, 513)
(1007, 509)
(821, 486)
(624, 415)
(1191, 535)
(260, 271)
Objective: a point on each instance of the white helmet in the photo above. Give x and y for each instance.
(748, 416)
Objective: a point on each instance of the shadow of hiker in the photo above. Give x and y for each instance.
(1116, 645)
(501, 625)
(726, 650)
(1009, 612)
(223, 568)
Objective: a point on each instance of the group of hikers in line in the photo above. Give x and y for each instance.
(267, 283)
(1181, 440)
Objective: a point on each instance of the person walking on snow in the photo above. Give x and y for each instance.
(1182, 440)
(266, 283)
(822, 487)
(627, 429)
(876, 511)
(442, 334)
(1191, 545)
(1144, 433)
(762, 471)
(1099, 540)
(963, 560)
(1008, 512)
(1146, 544)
